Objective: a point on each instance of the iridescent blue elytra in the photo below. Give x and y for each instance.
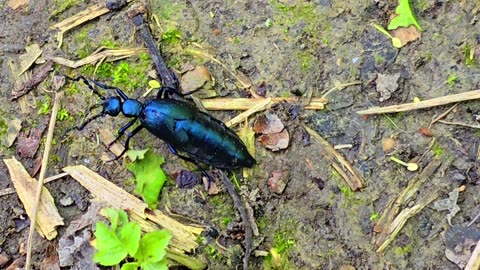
(179, 124)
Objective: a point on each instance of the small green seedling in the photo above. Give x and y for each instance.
(123, 239)
(149, 176)
(152, 84)
(410, 166)
(397, 43)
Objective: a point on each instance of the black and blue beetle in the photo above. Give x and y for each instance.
(178, 123)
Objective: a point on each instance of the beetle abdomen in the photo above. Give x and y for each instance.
(201, 136)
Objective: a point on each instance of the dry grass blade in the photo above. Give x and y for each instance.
(184, 237)
(241, 104)
(48, 217)
(394, 217)
(88, 14)
(266, 103)
(424, 103)
(41, 178)
(349, 174)
(98, 56)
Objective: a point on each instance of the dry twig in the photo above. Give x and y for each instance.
(349, 174)
(471, 95)
(220, 104)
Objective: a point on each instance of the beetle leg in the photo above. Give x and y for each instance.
(121, 131)
(209, 179)
(127, 142)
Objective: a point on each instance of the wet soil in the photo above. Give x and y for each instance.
(285, 48)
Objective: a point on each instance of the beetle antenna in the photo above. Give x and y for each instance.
(87, 82)
(86, 122)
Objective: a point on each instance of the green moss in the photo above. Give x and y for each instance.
(378, 58)
(452, 79)
(3, 128)
(108, 44)
(171, 37)
(437, 150)
(469, 53)
(403, 251)
(59, 6)
(374, 216)
(44, 107)
(306, 60)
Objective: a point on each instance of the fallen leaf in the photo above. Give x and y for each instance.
(406, 34)
(459, 243)
(50, 261)
(74, 247)
(195, 79)
(275, 141)
(404, 17)
(449, 204)
(14, 127)
(268, 124)
(27, 59)
(28, 144)
(278, 181)
(387, 85)
(187, 179)
(48, 217)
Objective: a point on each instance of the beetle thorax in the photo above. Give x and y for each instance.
(131, 108)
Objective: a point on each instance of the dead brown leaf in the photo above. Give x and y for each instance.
(275, 141)
(195, 79)
(268, 124)
(28, 144)
(407, 34)
(278, 181)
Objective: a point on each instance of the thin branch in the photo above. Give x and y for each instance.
(41, 178)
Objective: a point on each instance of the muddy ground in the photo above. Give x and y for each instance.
(286, 49)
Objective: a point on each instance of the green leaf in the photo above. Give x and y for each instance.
(110, 249)
(136, 154)
(130, 266)
(112, 215)
(130, 236)
(152, 247)
(161, 265)
(404, 18)
(149, 177)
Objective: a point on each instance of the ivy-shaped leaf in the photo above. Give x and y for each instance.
(149, 177)
(110, 249)
(152, 247)
(404, 17)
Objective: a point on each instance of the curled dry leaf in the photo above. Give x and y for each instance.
(406, 34)
(194, 79)
(28, 144)
(275, 141)
(268, 124)
(187, 179)
(278, 181)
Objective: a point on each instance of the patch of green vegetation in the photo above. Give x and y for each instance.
(378, 58)
(63, 115)
(392, 118)
(374, 216)
(237, 40)
(85, 46)
(44, 107)
(403, 251)
(71, 89)
(60, 6)
(123, 239)
(452, 79)
(108, 44)
(262, 223)
(283, 243)
(437, 150)
(469, 53)
(306, 60)
(346, 191)
(213, 253)
(171, 37)
(3, 128)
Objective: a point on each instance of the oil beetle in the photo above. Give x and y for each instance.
(178, 123)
